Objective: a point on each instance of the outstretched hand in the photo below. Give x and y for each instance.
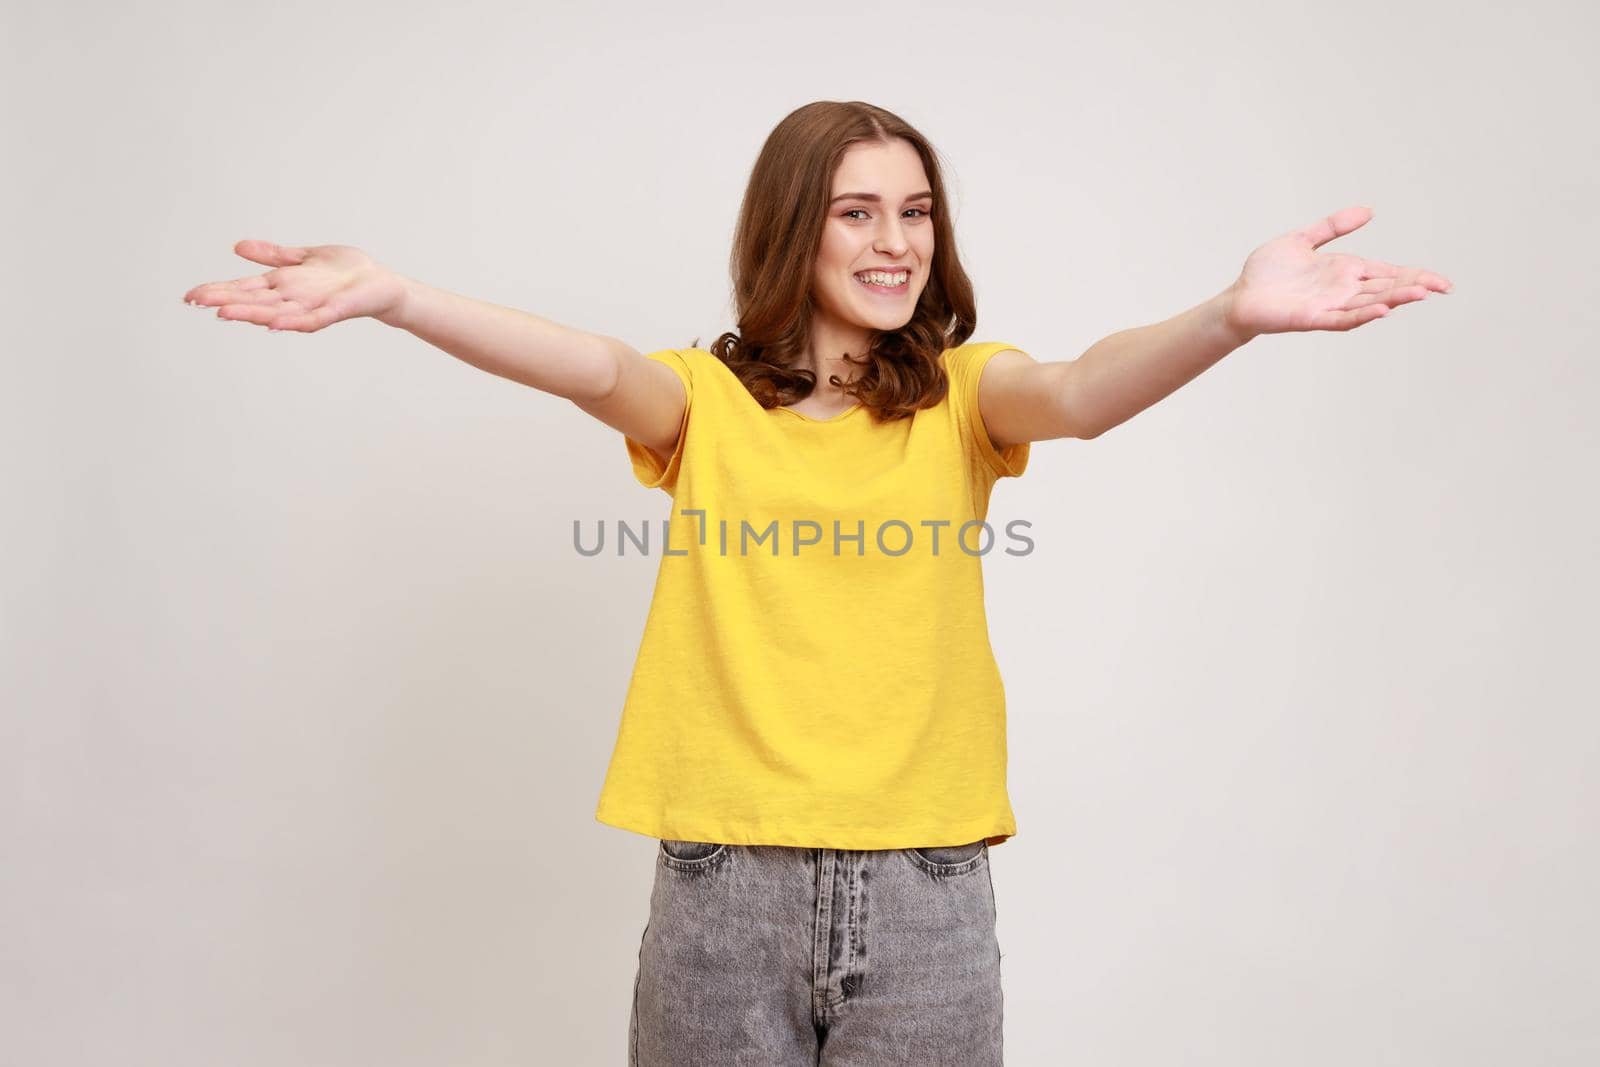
(1286, 285)
(311, 288)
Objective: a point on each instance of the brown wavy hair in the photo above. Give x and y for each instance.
(774, 254)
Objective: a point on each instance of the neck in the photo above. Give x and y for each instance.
(829, 343)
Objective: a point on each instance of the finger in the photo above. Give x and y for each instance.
(208, 296)
(261, 314)
(1377, 268)
(1349, 320)
(304, 321)
(273, 255)
(1437, 283)
(1393, 297)
(1371, 268)
(1338, 224)
(211, 290)
(1390, 289)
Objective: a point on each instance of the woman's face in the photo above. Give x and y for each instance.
(878, 219)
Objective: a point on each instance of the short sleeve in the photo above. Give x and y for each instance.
(965, 372)
(647, 466)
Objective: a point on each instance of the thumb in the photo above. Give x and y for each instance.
(273, 255)
(1341, 222)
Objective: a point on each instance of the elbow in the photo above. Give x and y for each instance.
(1076, 422)
(1089, 427)
(604, 372)
(1070, 417)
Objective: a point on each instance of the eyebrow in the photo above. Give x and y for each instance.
(926, 194)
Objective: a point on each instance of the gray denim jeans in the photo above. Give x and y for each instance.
(770, 956)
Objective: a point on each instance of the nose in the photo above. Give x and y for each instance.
(890, 238)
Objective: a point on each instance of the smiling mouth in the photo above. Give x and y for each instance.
(886, 290)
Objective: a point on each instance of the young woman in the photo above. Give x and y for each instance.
(815, 727)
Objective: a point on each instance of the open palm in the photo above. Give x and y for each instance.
(1286, 285)
(310, 288)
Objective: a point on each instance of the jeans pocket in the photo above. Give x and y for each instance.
(691, 855)
(950, 859)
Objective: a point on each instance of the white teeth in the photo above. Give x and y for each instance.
(878, 277)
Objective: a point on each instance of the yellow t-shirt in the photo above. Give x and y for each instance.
(815, 669)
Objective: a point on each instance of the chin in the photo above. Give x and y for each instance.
(879, 316)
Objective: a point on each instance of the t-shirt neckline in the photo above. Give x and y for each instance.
(852, 409)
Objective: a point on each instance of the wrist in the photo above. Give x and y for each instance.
(1224, 306)
(398, 314)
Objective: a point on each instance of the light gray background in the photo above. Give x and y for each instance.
(308, 698)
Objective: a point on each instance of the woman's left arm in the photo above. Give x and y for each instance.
(1285, 286)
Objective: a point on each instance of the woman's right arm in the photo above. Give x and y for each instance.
(314, 287)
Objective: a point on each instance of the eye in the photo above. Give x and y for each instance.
(863, 211)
